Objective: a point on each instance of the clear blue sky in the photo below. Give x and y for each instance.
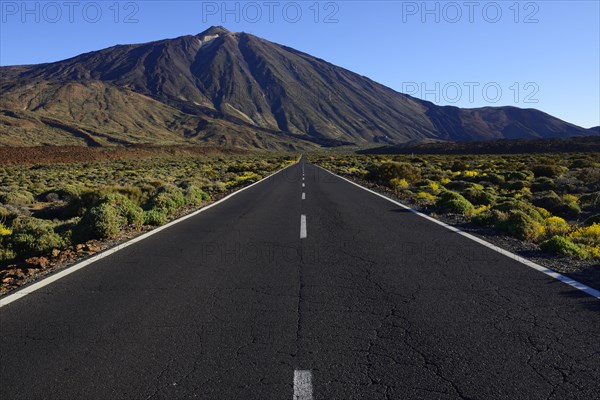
(546, 55)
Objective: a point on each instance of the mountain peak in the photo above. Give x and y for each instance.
(214, 30)
(231, 89)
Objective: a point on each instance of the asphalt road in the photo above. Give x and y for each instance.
(374, 302)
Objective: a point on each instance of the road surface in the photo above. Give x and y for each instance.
(302, 289)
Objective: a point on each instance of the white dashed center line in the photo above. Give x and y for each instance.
(303, 185)
(303, 226)
(302, 385)
(303, 196)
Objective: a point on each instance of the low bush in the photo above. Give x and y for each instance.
(4, 231)
(17, 198)
(515, 185)
(168, 198)
(489, 217)
(562, 246)
(494, 178)
(557, 205)
(383, 173)
(453, 202)
(425, 197)
(550, 171)
(132, 213)
(399, 184)
(510, 204)
(461, 186)
(194, 196)
(557, 226)
(588, 235)
(521, 226)
(6, 255)
(33, 237)
(137, 195)
(518, 175)
(480, 197)
(155, 217)
(100, 222)
(543, 184)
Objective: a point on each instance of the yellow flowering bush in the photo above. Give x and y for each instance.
(426, 197)
(470, 174)
(399, 183)
(557, 226)
(587, 235)
(4, 231)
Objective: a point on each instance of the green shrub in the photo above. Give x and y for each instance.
(383, 173)
(518, 175)
(515, 185)
(7, 255)
(155, 217)
(562, 246)
(557, 205)
(135, 194)
(215, 187)
(17, 198)
(489, 217)
(100, 222)
(133, 214)
(33, 237)
(453, 202)
(494, 178)
(7, 213)
(510, 204)
(461, 186)
(195, 196)
(480, 197)
(543, 184)
(547, 170)
(520, 225)
(169, 199)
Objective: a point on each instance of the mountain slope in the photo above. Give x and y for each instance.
(233, 89)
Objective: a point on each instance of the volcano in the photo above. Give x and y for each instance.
(233, 89)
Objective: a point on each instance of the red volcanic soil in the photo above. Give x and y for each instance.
(76, 154)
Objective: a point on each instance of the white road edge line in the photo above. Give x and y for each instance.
(303, 226)
(303, 385)
(303, 196)
(75, 267)
(560, 277)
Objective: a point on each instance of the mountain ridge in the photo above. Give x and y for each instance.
(234, 89)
